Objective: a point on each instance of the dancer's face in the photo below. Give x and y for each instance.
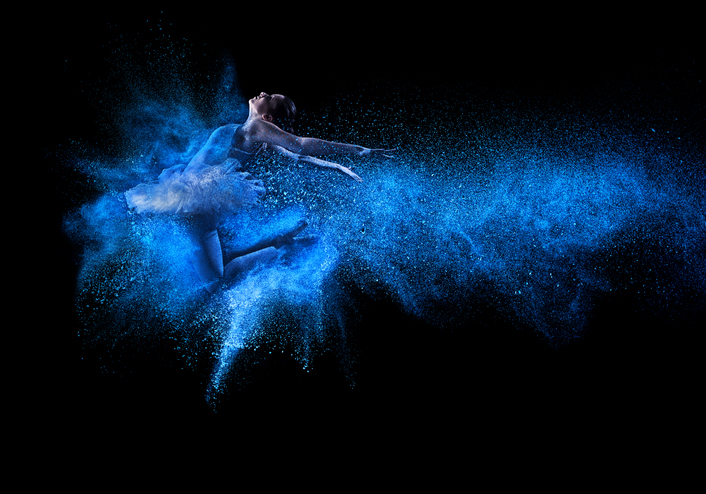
(263, 104)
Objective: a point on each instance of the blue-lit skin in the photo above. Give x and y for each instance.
(540, 225)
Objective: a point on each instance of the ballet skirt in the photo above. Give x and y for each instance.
(210, 190)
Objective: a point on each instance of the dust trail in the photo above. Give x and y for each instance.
(537, 224)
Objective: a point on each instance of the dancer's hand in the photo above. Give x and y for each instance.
(350, 173)
(365, 152)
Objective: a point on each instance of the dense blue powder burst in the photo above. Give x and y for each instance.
(538, 214)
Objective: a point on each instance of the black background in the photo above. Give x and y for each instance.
(627, 354)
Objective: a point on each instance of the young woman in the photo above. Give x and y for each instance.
(212, 185)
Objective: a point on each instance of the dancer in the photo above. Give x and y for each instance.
(212, 185)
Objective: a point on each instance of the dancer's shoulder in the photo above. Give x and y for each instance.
(223, 133)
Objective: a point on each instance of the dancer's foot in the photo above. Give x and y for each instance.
(290, 251)
(305, 241)
(287, 238)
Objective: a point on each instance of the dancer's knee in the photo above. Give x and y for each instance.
(205, 265)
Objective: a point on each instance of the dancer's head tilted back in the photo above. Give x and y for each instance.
(276, 109)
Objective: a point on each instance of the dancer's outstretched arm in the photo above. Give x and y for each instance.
(315, 161)
(268, 133)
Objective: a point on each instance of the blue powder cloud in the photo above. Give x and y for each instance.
(539, 226)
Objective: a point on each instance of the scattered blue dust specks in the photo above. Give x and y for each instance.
(538, 214)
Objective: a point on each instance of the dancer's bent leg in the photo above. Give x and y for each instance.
(207, 258)
(277, 241)
(236, 268)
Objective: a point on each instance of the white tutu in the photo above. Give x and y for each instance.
(211, 190)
